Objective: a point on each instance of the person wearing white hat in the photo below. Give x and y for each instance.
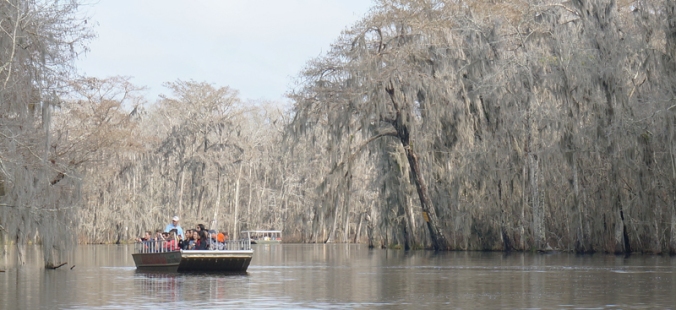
(174, 225)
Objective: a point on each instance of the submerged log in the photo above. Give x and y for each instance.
(51, 266)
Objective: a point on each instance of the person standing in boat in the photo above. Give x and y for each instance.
(174, 225)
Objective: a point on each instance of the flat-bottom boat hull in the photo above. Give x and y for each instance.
(194, 261)
(215, 261)
(265, 242)
(165, 261)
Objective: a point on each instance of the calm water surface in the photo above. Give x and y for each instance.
(339, 276)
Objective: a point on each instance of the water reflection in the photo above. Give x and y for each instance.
(163, 286)
(175, 287)
(348, 276)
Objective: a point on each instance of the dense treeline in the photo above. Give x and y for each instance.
(521, 125)
(462, 125)
(199, 153)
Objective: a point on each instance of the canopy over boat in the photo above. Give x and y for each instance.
(264, 236)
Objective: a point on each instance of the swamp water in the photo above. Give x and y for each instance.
(339, 276)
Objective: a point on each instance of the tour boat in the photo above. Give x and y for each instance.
(156, 256)
(264, 236)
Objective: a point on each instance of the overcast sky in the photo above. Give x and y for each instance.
(254, 46)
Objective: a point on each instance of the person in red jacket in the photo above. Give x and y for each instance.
(171, 244)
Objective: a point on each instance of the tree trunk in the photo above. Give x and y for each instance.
(357, 233)
(538, 212)
(579, 212)
(439, 242)
(336, 204)
(239, 175)
(214, 222)
(429, 212)
(248, 203)
(670, 10)
(180, 193)
(346, 209)
(524, 204)
(369, 227)
(200, 198)
(672, 237)
(410, 218)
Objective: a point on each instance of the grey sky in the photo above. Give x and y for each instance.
(254, 46)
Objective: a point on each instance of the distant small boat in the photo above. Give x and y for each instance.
(154, 256)
(264, 236)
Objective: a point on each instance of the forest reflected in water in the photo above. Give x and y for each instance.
(333, 276)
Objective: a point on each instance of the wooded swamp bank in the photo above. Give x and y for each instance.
(548, 125)
(471, 125)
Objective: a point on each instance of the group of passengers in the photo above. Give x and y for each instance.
(173, 238)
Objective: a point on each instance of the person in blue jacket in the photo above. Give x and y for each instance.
(174, 225)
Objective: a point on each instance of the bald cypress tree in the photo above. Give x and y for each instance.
(525, 125)
(38, 195)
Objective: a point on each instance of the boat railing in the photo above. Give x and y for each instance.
(232, 245)
(156, 246)
(162, 246)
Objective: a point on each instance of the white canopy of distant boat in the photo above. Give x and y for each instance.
(264, 236)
